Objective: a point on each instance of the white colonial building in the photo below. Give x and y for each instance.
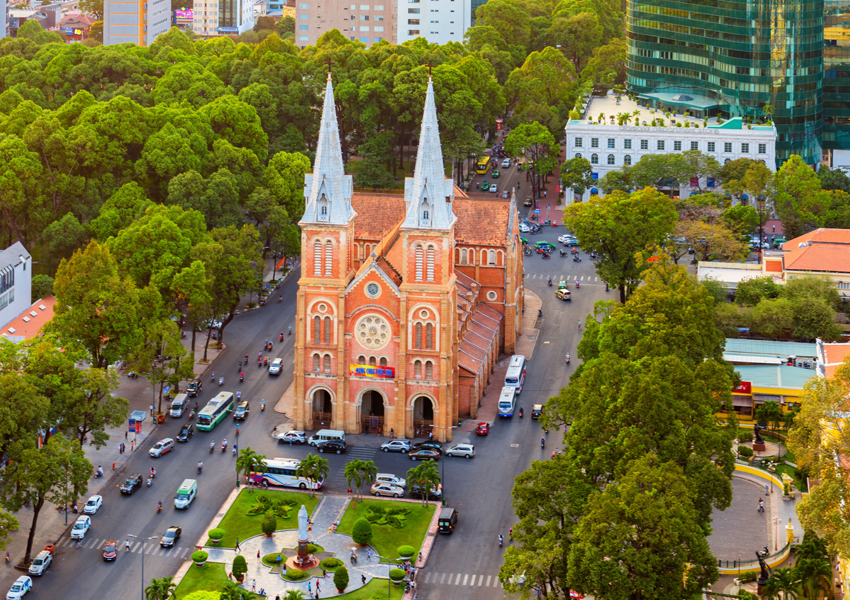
(609, 146)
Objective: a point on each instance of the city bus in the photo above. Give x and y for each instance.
(483, 164)
(217, 408)
(515, 376)
(281, 472)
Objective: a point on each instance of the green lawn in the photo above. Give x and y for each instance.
(387, 539)
(238, 523)
(374, 587)
(211, 577)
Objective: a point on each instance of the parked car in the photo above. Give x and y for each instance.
(194, 387)
(523, 228)
(565, 237)
(331, 446)
(483, 429)
(186, 432)
(464, 450)
(390, 479)
(292, 437)
(276, 367)
(131, 484)
(40, 563)
(493, 188)
(170, 537)
(22, 585)
(242, 410)
(81, 527)
(432, 444)
(435, 494)
(386, 489)
(93, 504)
(162, 447)
(424, 454)
(110, 550)
(402, 446)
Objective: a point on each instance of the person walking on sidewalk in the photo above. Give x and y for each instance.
(238, 548)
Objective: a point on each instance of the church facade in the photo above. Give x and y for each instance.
(404, 303)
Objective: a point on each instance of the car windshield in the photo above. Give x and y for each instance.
(17, 587)
(37, 561)
(169, 534)
(130, 482)
(79, 525)
(91, 503)
(109, 548)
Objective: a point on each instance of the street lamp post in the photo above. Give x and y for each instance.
(390, 562)
(443, 466)
(144, 539)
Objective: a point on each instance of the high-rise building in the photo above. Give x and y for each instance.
(836, 85)
(367, 23)
(4, 17)
(223, 17)
(438, 21)
(135, 21)
(730, 58)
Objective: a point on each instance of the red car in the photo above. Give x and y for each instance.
(110, 550)
(483, 428)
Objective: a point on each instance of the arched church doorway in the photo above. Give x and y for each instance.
(423, 416)
(322, 409)
(372, 412)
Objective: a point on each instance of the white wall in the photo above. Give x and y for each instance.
(440, 21)
(16, 264)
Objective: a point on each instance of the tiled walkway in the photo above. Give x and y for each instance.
(259, 576)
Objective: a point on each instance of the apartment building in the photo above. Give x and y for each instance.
(367, 23)
(135, 21)
(223, 17)
(438, 21)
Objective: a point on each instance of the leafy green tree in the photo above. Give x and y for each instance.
(353, 477)
(770, 413)
(341, 578)
(426, 476)
(535, 141)
(42, 285)
(715, 289)
(63, 237)
(313, 468)
(753, 291)
(607, 67)
(643, 538)
(509, 18)
(95, 309)
(22, 203)
(249, 461)
(784, 581)
(123, 207)
(773, 318)
(285, 25)
(712, 241)
(623, 229)
(541, 83)
(368, 471)
(577, 36)
(160, 589)
(361, 532)
(834, 179)
(576, 173)
(798, 198)
(269, 523)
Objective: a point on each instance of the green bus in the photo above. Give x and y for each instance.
(212, 414)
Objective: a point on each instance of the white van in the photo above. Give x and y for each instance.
(507, 402)
(186, 493)
(324, 435)
(179, 405)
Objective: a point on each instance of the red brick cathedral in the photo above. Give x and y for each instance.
(404, 303)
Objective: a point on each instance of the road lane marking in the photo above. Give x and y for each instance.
(488, 581)
(427, 577)
(480, 580)
(465, 578)
(443, 578)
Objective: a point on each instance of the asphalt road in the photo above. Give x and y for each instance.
(478, 488)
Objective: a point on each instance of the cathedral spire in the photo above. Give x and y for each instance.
(428, 194)
(328, 189)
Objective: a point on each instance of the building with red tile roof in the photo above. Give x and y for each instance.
(405, 301)
(29, 323)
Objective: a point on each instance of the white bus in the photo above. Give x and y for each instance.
(515, 376)
(507, 402)
(281, 472)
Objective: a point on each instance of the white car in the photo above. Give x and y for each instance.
(276, 366)
(81, 527)
(523, 228)
(22, 585)
(566, 237)
(390, 479)
(506, 163)
(292, 437)
(93, 504)
(402, 446)
(40, 563)
(493, 189)
(162, 447)
(385, 489)
(465, 450)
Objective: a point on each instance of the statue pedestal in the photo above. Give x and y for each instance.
(303, 560)
(759, 447)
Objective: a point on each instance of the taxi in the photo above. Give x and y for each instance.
(563, 295)
(541, 247)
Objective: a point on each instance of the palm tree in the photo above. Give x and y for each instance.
(426, 477)
(352, 475)
(815, 575)
(233, 591)
(368, 471)
(784, 581)
(314, 468)
(160, 589)
(768, 111)
(250, 462)
(294, 595)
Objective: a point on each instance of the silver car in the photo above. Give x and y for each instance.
(385, 489)
(402, 446)
(292, 437)
(390, 479)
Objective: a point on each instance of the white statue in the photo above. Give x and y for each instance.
(302, 523)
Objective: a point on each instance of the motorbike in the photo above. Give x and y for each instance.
(191, 415)
(98, 474)
(238, 395)
(200, 468)
(563, 252)
(241, 377)
(220, 381)
(577, 285)
(234, 450)
(150, 481)
(542, 443)
(540, 314)
(212, 447)
(266, 361)
(224, 445)
(567, 359)
(576, 258)
(550, 282)
(520, 412)
(546, 255)
(262, 406)
(280, 339)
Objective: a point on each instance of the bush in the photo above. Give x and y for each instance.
(200, 556)
(748, 576)
(297, 574)
(745, 451)
(397, 574)
(361, 533)
(329, 564)
(239, 567)
(341, 578)
(269, 523)
(745, 436)
(406, 551)
(313, 548)
(216, 534)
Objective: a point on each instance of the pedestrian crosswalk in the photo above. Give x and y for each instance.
(152, 548)
(461, 579)
(588, 278)
(352, 454)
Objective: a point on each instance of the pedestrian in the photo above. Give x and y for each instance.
(430, 435)
(392, 432)
(125, 435)
(766, 490)
(774, 229)
(253, 585)
(79, 545)
(120, 448)
(309, 527)
(579, 324)
(761, 505)
(324, 573)
(238, 548)
(309, 588)
(363, 579)
(369, 555)
(318, 589)
(349, 492)
(277, 597)
(152, 409)
(420, 557)
(132, 445)
(258, 555)
(127, 545)
(544, 193)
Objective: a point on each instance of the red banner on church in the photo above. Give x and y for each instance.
(746, 387)
(367, 371)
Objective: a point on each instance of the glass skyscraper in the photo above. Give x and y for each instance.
(723, 57)
(836, 75)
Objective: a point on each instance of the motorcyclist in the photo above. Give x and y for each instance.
(224, 445)
(262, 405)
(159, 506)
(153, 472)
(550, 281)
(212, 377)
(212, 445)
(577, 285)
(290, 329)
(238, 394)
(520, 412)
(542, 442)
(568, 358)
(99, 471)
(200, 466)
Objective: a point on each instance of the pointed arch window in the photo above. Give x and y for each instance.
(317, 329)
(425, 213)
(429, 336)
(429, 272)
(323, 208)
(317, 258)
(418, 336)
(464, 256)
(329, 257)
(327, 330)
(429, 369)
(417, 369)
(419, 254)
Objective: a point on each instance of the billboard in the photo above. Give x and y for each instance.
(228, 30)
(184, 15)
